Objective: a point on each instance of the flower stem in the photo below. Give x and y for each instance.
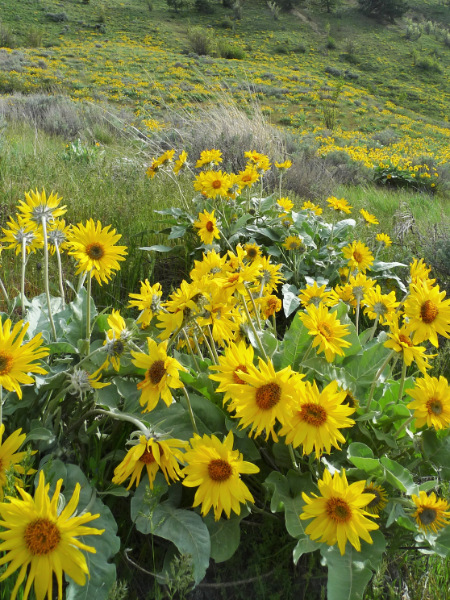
(292, 455)
(46, 282)
(122, 417)
(4, 292)
(403, 426)
(22, 281)
(88, 312)
(252, 327)
(191, 412)
(358, 303)
(402, 382)
(213, 344)
(1, 404)
(377, 375)
(374, 328)
(186, 337)
(60, 275)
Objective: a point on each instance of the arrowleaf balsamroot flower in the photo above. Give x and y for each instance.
(34, 535)
(428, 313)
(18, 359)
(94, 249)
(9, 457)
(37, 206)
(338, 514)
(431, 402)
(431, 513)
(154, 455)
(148, 301)
(327, 329)
(358, 255)
(216, 469)
(207, 227)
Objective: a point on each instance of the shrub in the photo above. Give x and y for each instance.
(201, 41)
(203, 7)
(34, 37)
(386, 137)
(7, 39)
(225, 23)
(384, 10)
(331, 43)
(428, 63)
(333, 71)
(57, 17)
(229, 51)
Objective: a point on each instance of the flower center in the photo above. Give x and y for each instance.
(434, 405)
(268, 396)
(216, 184)
(380, 309)
(236, 377)
(427, 516)
(313, 414)
(338, 510)
(6, 361)
(147, 458)
(357, 256)
(41, 536)
(428, 311)
(325, 330)
(209, 226)
(157, 371)
(219, 470)
(375, 501)
(118, 347)
(95, 251)
(405, 340)
(252, 253)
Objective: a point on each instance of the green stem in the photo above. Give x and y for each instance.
(186, 337)
(292, 455)
(60, 275)
(404, 426)
(252, 327)
(191, 412)
(358, 302)
(255, 309)
(22, 281)
(46, 282)
(122, 417)
(1, 404)
(377, 375)
(402, 383)
(4, 292)
(374, 328)
(208, 345)
(213, 344)
(88, 312)
(197, 347)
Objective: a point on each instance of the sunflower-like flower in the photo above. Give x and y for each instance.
(267, 396)
(180, 163)
(236, 359)
(220, 315)
(327, 329)
(428, 313)
(358, 255)
(212, 183)
(207, 227)
(247, 177)
(339, 204)
(419, 272)
(22, 233)
(9, 457)
(380, 500)
(259, 161)
(147, 301)
(116, 340)
(19, 359)
(383, 238)
(82, 382)
(94, 249)
(253, 251)
(308, 205)
(431, 402)
(58, 234)
(313, 294)
(153, 454)
(184, 304)
(293, 242)
(431, 513)
(400, 341)
(318, 418)
(36, 535)
(285, 205)
(269, 275)
(338, 514)
(215, 468)
(379, 306)
(212, 266)
(37, 207)
(161, 375)
(269, 305)
(369, 218)
(209, 157)
(284, 166)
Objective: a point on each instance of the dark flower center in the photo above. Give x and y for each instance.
(147, 458)
(216, 184)
(157, 371)
(434, 405)
(95, 251)
(209, 226)
(219, 470)
(428, 516)
(268, 396)
(338, 510)
(236, 377)
(405, 339)
(428, 311)
(41, 536)
(6, 361)
(325, 330)
(313, 414)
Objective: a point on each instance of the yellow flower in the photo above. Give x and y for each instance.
(265, 397)
(341, 204)
(293, 242)
(286, 205)
(248, 177)
(153, 454)
(147, 301)
(161, 375)
(18, 359)
(287, 164)
(428, 313)
(269, 305)
(236, 359)
(37, 206)
(36, 534)
(94, 249)
(82, 382)
(253, 251)
(207, 228)
(313, 294)
(383, 238)
(431, 402)
(377, 504)
(22, 233)
(269, 276)
(358, 255)
(419, 271)
(327, 329)
(259, 161)
(369, 218)
(215, 468)
(116, 340)
(58, 234)
(378, 305)
(212, 183)
(400, 341)
(222, 316)
(9, 457)
(338, 513)
(318, 418)
(184, 304)
(211, 267)
(180, 163)
(209, 156)
(308, 205)
(431, 513)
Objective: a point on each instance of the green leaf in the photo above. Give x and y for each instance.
(348, 575)
(398, 476)
(436, 449)
(365, 364)
(442, 543)
(225, 535)
(177, 231)
(290, 299)
(41, 433)
(362, 457)
(158, 248)
(296, 340)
